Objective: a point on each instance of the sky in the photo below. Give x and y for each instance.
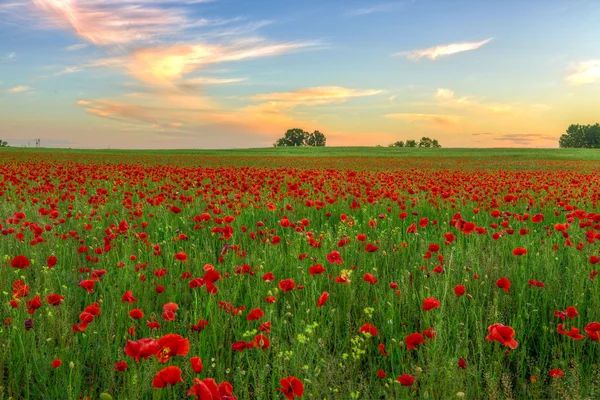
(239, 73)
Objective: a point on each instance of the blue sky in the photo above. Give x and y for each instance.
(228, 73)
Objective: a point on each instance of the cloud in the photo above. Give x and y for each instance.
(583, 73)
(190, 114)
(481, 133)
(442, 50)
(166, 66)
(19, 89)
(76, 47)
(9, 57)
(313, 96)
(436, 119)
(447, 98)
(525, 139)
(112, 23)
(372, 9)
(211, 81)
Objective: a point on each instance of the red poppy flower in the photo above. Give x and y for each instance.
(56, 363)
(413, 340)
(54, 299)
(286, 285)
(503, 283)
(167, 376)
(200, 325)
(571, 312)
(121, 366)
(128, 297)
(381, 347)
(316, 269)
(334, 257)
(181, 256)
(573, 333)
(143, 348)
(196, 364)
(556, 373)
(462, 364)
(371, 248)
(459, 290)
(502, 334)
(368, 328)
(406, 380)
(20, 262)
(88, 285)
(136, 313)
(323, 299)
(268, 277)
(255, 314)
(430, 303)
(172, 345)
(290, 387)
(381, 374)
(52, 260)
(593, 331)
(369, 278)
(519, 251)
(429, 333)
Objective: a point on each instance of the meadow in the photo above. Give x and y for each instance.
(333, 273)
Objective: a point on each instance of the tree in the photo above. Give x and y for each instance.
(3, 143)
(316, 139)
(411, 143)
(298, 137)
(399, 143)
(581, 136)
(435, 144)
(427, 142)
(293, 137)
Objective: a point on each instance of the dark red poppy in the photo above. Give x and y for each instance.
(54, 299)
(503, 284)
(502, 334)
(255, 314)
(143, 348)
(413, 340)
(196, 364)
(430, 303)
(406, 380)
(167, 376)
(172, 345)
(368, 329)
(323, 299)
(290, 387)
(20, 262)
(286, 285)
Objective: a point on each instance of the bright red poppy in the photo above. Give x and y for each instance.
(291, 387)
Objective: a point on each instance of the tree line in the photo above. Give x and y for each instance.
(424, 142)
(298, 137)
(581, 136)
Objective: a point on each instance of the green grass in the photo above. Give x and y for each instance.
(379, 152)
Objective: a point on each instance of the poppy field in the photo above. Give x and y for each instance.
(165, 276)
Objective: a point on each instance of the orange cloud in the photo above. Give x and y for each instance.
(430, 118)
(313, 96)
(443, 50)
(447, 98)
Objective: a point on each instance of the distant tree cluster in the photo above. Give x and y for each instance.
(424, 142)
(298, 137)
(3, 143)
(581, 136)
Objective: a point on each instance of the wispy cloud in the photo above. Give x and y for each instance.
(375, 8)
(211, 81)
(167, 66)
(19, 89)
(447, 98)
(525, 139)
(583, 73)
(313, 96)
(430, 118)
(76, 47)
(117, 23)
(9, 57)
(435, 52)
